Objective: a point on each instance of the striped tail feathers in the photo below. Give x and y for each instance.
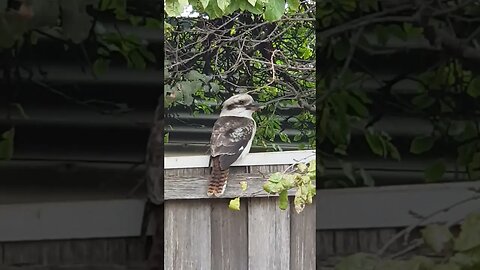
(218, 178)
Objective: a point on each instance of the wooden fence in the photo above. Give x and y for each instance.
(202, 233)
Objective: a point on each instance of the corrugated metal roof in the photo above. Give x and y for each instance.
(62, 131)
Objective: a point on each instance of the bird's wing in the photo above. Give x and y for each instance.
(230, 137)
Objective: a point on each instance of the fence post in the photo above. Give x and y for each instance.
(202, 233)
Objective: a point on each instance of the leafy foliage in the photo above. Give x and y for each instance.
(209, 60)
(457, 253)
(6, 144)
(444, 89)
(299, 176)
(271, 10)
(436, 82)
(74, 25)
(302, 179)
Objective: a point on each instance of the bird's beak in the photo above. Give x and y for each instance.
(255, 106)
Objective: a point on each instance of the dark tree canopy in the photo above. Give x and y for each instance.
(415, 59)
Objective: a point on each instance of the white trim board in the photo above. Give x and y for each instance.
(70, 220)
(388, 207)
(354, 208)
(252, 159)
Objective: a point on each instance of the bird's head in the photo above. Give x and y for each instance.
(241, 105)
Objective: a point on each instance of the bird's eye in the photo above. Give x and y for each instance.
(241, 102)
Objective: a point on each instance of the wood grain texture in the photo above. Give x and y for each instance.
(195, 187)
(188, 235)
(135, 249)
(368, 240)
(50, 252)
(268, 235)
(98, 250)
(229, 236)
(346, 242)
(325, 244)
(384, 235)
(21, 253)
(192, 183)
(302, 242)
(76, 252)
(116, 251)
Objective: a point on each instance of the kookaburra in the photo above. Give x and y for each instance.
(231, 139)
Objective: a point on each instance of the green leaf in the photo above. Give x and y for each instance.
(412, 31)
(234, 204)
(276, 177)
(174, 8)
(474, 88)
(204, 3)
(423, 101)
(274, 10)
(397, 31)
(20, 110)
(469, 259)
(448, 266)
(147, 54)
(100, 66)
(392, 149)
(469, 236)
(293, 5)
(215, 87)
(456, 128)
(284, 137)
(347, 169)
(312, 166)
(302, 167)
(367, 179)
(283, 200)
(382, 34)
(357, 106)
(137, 60)
(421, 144)
(243, 185)
(388, 264)
(435, 171)
(348, 5)
(437, 237)
(465, 154)
(420, 263)
(7, 144)
(358, 261)
(244, 5)
(154, 23)
(104, 4)
(166, 137)
(375, 142)
(473, 167)
(223, 4)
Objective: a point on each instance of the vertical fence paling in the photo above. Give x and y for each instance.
(203, 233)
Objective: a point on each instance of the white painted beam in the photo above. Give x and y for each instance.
(252, 159)
(388, 207)
(70, 220)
